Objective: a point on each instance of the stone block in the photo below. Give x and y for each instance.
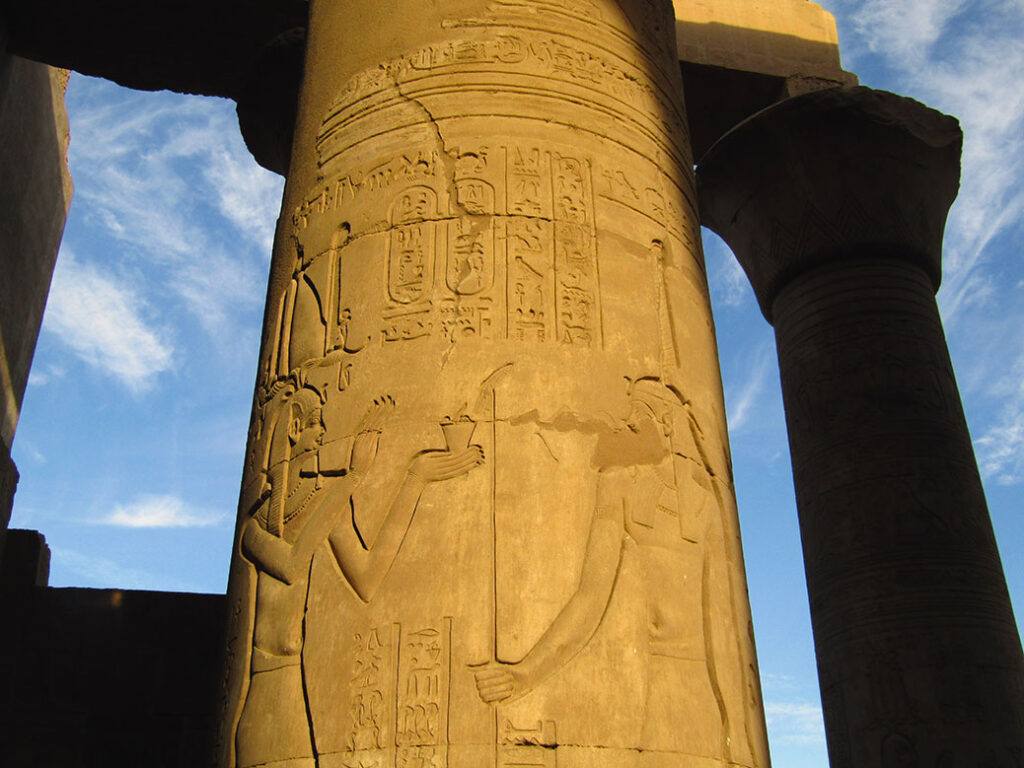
(25, 560)
(769, 37)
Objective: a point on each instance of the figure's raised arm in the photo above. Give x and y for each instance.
(366, 563)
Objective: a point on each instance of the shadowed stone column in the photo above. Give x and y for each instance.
(835, 205)
(487, 516)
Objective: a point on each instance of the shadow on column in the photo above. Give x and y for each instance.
(835, 204)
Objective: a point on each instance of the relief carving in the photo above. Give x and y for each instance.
(644, 495)
(302, 507)
(535, 747)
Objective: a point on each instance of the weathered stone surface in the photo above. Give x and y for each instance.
(487, 515)
(34, 134)
(784, 38)
(35, 192)
(835, 205)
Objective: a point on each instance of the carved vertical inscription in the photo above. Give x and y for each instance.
(410, 270)
(423, 678)
(578, 314)
(398, 704)
(510, 251)
(372, 693)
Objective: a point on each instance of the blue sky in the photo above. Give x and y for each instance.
(133, 427)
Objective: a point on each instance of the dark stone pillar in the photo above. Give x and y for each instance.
(835, 204)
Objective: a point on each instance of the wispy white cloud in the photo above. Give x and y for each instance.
(964, 57)
(155, 170)
(728, 282)
(157, 511)
(1000, 450)
(104, 323)
(903, 30)
(41, 375)
(741, 399)
(99, 572)
(797, 723)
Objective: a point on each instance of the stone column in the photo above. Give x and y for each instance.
(835, 204)
(487, 516)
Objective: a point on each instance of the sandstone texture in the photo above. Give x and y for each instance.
(34, 197)
(487, 515)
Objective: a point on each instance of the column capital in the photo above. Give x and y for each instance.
(832, 176)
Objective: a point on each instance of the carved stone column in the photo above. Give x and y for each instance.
(835, 204)
(487, 516)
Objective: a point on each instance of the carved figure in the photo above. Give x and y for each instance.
(302, 506)
(643, 497)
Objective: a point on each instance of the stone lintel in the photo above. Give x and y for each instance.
(737, 57)
(832, 176)
(188, 46)
(774, 37)
(741, 56)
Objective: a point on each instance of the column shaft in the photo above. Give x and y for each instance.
(835, 204)
(919, 655)
(487, 516)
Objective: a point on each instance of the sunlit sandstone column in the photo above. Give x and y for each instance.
(487, 516)
(835, 205)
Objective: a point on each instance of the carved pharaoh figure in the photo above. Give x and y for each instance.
(653, 495)
(301, 507)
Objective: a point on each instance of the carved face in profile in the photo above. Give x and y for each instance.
(305, 427)
(647, 436)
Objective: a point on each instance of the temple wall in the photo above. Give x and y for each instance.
(35, 192)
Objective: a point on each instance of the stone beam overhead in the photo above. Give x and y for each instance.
(784, 38)
(741, 56)
(191, 46)
(247, 50)
(737, 56)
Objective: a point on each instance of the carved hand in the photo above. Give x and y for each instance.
(496, 682)
(364, 447)
(433, 466)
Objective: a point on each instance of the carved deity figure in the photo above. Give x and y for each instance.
(647, 470)
(303, 506)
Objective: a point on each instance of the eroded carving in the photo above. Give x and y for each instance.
(302, 506)
(653, 491)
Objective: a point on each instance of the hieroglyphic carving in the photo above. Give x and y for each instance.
(299, 507)
(517, 260)
(621, 186)
(530, 280)
(414, 166)
(576, 271)
(412, 245)
(535, 747)
(424, 673)
(644, 492)
(371, 684)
